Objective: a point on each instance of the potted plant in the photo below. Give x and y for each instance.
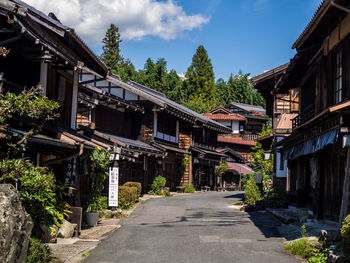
(92, 213)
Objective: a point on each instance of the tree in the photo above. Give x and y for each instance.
(221, 92)
(200, 75)
(126, 71)
(173, 87)
(111, 48)
(238, 89)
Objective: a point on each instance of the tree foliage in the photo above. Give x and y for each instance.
(28, 103)
(99, 172)
(258, 154)
(198, 91)
(200, 76)
(39, 193)
(38, 190)
(111, 48)
(238, 88)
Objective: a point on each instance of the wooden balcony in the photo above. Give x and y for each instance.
(250, 137)
(307, 114)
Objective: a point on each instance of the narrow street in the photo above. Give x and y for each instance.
(201, 227)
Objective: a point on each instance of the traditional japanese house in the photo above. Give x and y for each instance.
(114, 121)
(318, 150)
(227, 118)
(255, 115)
(165, 125)
(47, 54)
(281, 108)
(238, 140)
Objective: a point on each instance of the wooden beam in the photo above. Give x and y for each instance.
(345, 196)
(10, 40)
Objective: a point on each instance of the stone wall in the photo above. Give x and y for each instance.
(15, 226)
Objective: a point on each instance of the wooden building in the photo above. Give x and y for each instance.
(172, 129)
(245, 121)
(281, 107)
(317, 151)
(255, 115)
(45, 53)
(112, 120)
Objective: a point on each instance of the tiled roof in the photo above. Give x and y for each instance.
(239, 168)
(222, 116)
(236, 140)
(285, 121)
(247, 107)
(57, 27)
(158, 97)
(320, 12)
(219, 109)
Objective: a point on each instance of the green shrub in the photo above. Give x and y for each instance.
(38, 252)
(158, 185)
(127, 197)
(319, 256)
(135, 184)
(189, 188)
(244, 180)
(306, 249)
(345, 232)
(301, 247)
(98, 204)
(252, 192)
(38, 190)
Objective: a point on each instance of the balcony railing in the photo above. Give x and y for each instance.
(250, 137)
(307, 114)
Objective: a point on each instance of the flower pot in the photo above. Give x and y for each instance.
(91, 218)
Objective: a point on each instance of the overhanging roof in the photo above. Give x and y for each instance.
(30, 20)
(204, 151)
(105, 98)
(247, 107)
(165, 147)
(269, 74)
(160, 100)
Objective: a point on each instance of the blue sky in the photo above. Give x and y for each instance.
(248, 35)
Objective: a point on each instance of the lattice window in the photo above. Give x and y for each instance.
(339, 78)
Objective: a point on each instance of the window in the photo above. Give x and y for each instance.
(166, 128)
(339, 78)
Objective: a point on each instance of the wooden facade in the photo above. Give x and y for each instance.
(316, 150)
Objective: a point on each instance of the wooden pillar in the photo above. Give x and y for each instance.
(345, 196)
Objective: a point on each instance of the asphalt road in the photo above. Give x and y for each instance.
(202, 227)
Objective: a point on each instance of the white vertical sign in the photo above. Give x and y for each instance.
(113, 186)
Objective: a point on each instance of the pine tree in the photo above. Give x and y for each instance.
(111, 48)
(201, 77)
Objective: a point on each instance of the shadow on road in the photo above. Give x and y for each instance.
(265, 222)
(239, 195)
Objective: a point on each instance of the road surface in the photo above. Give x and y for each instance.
(201, 227)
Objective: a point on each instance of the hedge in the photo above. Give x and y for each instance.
(135, 184)
(127, 197)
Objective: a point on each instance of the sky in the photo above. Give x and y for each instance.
(248, 35)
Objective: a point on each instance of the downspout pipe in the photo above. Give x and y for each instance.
(347, 10)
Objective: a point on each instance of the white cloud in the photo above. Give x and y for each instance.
(135, 18)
